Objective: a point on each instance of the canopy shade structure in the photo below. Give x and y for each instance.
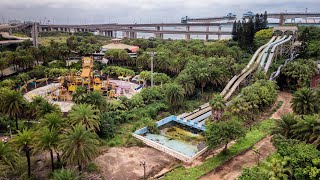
(86, 73)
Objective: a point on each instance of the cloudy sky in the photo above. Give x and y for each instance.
(144, 11)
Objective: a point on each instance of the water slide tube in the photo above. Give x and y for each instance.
(227, 87)
(271, 54)
(249, 70)
(266, 52)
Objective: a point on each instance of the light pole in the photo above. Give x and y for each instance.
(144, 169)
(151, 54)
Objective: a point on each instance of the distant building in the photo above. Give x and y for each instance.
(14, 22)
(116, 44)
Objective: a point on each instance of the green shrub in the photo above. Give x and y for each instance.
(92, 167)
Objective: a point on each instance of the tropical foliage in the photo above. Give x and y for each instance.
(305, 101)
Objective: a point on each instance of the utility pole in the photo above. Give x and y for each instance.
(151, 54)
(144, 169)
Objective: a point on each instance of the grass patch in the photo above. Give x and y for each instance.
(258, 132)
(123, 136)
(45, 41)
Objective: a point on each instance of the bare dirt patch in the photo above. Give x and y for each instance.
(233, 168)
(124, 163)
(286, 106)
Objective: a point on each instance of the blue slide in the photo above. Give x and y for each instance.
(139, 87)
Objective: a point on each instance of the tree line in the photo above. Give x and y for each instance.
(243, 31)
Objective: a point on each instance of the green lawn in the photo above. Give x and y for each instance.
(258, 132)
(46, 40)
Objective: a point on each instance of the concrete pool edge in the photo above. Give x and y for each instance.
(169, 151)
(138, 134)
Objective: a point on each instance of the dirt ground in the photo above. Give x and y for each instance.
(286, 106)
(233, 168)
(124, 163)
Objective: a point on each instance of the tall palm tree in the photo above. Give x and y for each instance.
(85, 114)
(174, 94)
(218, 104)
(46, 108)
(47, 140)
(284, 125)
(303, 129)
(187, 82)
(24, 141)
(55, 121)
(65, 174)
(8, 156)
(52, 120)
(12, 103)
(79, 146)
(305, 101)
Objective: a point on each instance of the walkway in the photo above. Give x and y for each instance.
(233, 168)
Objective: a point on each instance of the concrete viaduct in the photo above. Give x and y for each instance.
(131, 30)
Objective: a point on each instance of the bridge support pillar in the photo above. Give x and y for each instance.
(133, 35)
(10, 31)
(207, 35)
(188, 36)
(158, 33)
(34, 34)
(219, 33)
(126, 34)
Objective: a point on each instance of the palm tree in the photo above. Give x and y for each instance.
(277, 168)
(305, 101)
(306, 128)
(174, 94)
(284, 125)
(65, 174)
(85, 114)
(187, 82)
(52, 120)
(55, 121)
(79, 146)
(48, 140)
(34, 105)
(12, 103)
(95, 98)
(218, 105)
(7, 155)
(46, 108)
(24, 141)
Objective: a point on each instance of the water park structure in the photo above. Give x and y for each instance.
(59, 91)
(282, 44)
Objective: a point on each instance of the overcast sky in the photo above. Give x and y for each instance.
(145, 11)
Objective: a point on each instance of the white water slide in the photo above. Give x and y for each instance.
(254, 62)
(266, 51)
(232, 84)
(271, 54)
